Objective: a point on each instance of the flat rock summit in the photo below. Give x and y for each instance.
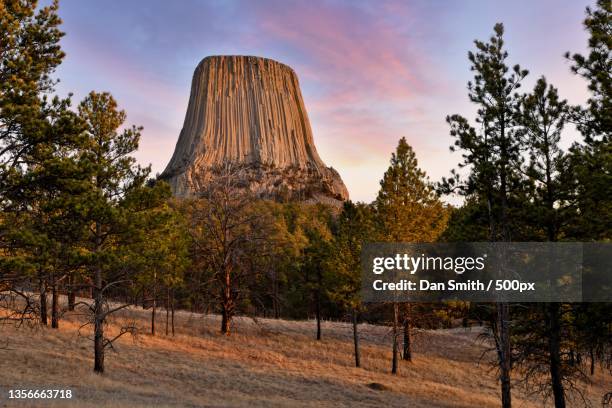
(249, 111)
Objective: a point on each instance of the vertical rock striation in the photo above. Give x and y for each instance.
(249, 111)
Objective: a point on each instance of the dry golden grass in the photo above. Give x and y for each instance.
(268, 363)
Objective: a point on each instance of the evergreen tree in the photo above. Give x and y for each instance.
(316, 258)
(34, 131)
(590, 173)
(407, 210)
(279, 265)
(407, 206)
(315, 269)
(492, 156)
(542, 115)
(115, 210)
(29, 54)
(354, 227)
(467, 223)
(595, 122)
(591, 162)
(162, 257)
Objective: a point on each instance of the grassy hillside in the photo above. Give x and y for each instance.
(264, 363)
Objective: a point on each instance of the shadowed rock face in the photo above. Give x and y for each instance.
(249, 111)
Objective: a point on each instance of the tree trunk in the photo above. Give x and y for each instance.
(153, 318)
(318, 313)
(98, 324)
(318, 302)
(227, 303)
(407, 340)
(356, 339)
(71, 295)
(54, 306)
(504, 353)
(554, 351)
(225, 324)
(42, 288)
(395, 334)
(172, 314)
(504, 308)
(275, 304)
(167, 309)
(592, 355)
(98, 310)
(71, 300)
(154, 305)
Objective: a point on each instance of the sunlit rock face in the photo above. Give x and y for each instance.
(249, 111)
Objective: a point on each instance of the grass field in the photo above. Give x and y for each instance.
(268, 363)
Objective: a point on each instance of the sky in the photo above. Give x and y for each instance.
(370, 72)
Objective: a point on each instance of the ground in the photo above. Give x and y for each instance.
(267, 363)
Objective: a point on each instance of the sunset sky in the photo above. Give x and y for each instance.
(370, 72)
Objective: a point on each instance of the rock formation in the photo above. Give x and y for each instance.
(249, 111)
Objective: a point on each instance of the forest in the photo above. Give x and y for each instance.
(82, 219)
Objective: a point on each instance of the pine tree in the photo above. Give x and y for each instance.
(316, 258)
(314, 269)
(542, 116)
(595, 122)
(354, 227)
(49, 235)
(590, 173)
(115, 211)
(33, 128)
(162, 256)
(29, 54)
(541, 331)
(492, 155)
(407, 209)
(591, 163)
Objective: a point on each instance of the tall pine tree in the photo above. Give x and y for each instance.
(407, 209)
(541, 331)
(491, 153)
(354, 227)
(116, 210)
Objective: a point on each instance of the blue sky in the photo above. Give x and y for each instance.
(370, 71)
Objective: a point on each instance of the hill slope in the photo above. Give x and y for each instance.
(265, 363)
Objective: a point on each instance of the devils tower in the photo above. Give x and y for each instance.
(249, 111)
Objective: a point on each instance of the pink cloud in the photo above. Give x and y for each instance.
(355, 51)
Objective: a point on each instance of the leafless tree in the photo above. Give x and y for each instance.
(227, 231)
